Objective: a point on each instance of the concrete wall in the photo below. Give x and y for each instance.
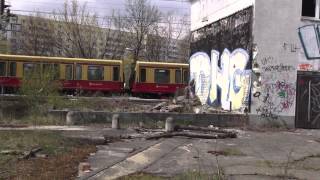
(279, 54)
(153, 119)
(204, 12)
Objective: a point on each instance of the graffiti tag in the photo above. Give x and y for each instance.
(231, 78)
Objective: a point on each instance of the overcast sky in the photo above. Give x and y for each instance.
(102, 7)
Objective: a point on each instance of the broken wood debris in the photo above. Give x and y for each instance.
(11, 152)
(25, 155)
(31, 153)
(191, 135)
(204, 129)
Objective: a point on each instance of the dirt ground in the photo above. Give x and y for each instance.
(63, 155)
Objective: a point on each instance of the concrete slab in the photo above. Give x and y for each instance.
(253, 155)
(140, 160)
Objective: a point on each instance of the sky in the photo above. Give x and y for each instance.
(101, 7)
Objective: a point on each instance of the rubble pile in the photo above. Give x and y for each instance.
(185, 104)
(178, 104)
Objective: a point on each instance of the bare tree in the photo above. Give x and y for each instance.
(155, 45)
(175, 27)
(184, 47)
(139, 18)
(164, 41)
(78, 31)
(116, 39)
(36, 37)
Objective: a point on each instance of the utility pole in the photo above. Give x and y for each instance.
(4, 15)
(3, 6)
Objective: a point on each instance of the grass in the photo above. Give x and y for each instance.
(186, 176)
(227, 152)
(233, 152)
(64, 155)
(20, 110)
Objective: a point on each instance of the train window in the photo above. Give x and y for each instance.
(95, 73)
(12, 69)
(69, 72)
(78, 72)
(143, 75)
(116, 73)
(2, 69)
(162, 76)
(31, 70)
(51, 70)
(178, 76)
(56, 71)
(185, 77)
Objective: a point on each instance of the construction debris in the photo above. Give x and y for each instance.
(84, 168)
(11, 152)
(159, 106)
(25, 155)
(192, 135)
(171, 131)
(31, 153)
(178, 104)
(203, 129)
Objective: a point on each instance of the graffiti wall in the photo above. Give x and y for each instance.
(222, 80)
(220, 61)
(276, 93)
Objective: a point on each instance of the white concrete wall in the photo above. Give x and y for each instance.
(279, 52)
(204, 12)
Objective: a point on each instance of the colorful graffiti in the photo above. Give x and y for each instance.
(305, 67)
(276, 98)
(227, 85)
(200, 71)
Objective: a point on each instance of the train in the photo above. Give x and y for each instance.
(95, 75)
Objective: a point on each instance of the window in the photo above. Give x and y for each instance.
(143, 75)
(12, 69)
(69, 72)
(185, 77)
(310, 8)
(162, 76)
(116, 73)
(178, 76)
(31, 70)
(52, 70)
(2, 69)
(79, 72)
(95, 73)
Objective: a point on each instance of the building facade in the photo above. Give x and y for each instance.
(25, 32)
(260, 57)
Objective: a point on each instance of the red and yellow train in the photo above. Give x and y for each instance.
(95, 75)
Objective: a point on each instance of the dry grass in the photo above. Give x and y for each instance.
(64, 155)
(185, 176)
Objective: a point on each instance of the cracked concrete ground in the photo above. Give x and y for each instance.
(253, 155)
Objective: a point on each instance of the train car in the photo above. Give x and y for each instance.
(90, 75)
(157, 78)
